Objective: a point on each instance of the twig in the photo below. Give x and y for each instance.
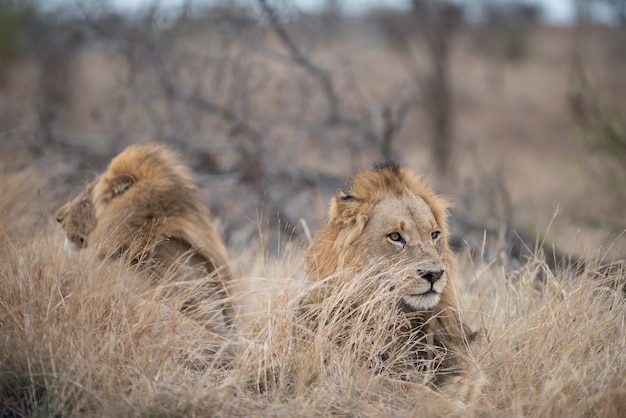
(209, 107)
(334, 115)
(391, 126)
(362, 126)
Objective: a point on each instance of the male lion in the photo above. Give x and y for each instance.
(147, 210)
(389, 232)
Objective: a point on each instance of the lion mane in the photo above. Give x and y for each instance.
(146, 209)
(388, 227)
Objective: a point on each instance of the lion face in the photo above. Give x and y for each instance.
(406, 248)
(394, 228)
(78, 219)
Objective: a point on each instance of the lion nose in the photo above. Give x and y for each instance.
(431, 276)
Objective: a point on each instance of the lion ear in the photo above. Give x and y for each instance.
(343, 207)
(120, 183)
(348, 212)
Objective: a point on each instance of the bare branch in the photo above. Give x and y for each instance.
(210, 107)
(391, 126)
(301, 59)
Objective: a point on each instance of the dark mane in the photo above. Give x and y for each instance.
(388, 165)
(386, 175)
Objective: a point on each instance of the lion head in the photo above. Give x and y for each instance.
(77, 218)
(388, 223)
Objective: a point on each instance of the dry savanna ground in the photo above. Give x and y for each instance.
(83, 337)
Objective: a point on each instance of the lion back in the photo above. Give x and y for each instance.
(149, 211)
(147, 196)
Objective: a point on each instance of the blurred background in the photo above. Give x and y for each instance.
(515, 110)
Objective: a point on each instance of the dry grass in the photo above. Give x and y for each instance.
(85, 338)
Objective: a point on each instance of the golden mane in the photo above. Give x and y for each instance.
(147, 197)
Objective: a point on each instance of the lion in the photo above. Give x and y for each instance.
(146, 209)
(389, 231)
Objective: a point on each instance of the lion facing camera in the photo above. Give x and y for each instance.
(386, 243)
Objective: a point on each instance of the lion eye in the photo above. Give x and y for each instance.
(396, 237)
(435, 234)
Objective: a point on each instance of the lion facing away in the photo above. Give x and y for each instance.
(146, 209)
(388, 232)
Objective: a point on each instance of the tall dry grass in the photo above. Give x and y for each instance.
(81, 337)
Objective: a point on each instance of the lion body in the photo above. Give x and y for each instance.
(390, 229)
(147, 210)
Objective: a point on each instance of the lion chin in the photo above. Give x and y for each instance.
(423, 301)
